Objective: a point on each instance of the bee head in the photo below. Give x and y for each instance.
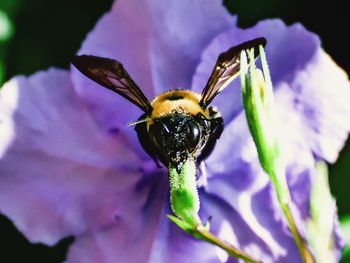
(179, 136)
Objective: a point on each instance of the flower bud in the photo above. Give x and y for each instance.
(258, 103)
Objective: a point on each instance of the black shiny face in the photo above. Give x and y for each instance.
(179, 136)
(175, 138)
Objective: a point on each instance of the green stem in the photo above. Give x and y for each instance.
(283, 194)
(231, 250)
(202, 233)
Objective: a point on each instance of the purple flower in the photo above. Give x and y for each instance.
(69, 165)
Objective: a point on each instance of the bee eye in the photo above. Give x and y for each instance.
(194, 134)
(158, 132)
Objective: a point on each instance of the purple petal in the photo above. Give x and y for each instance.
(234, 150)
(133, 236)
(181, 30)
(319, 97)
(254, 216)
(143, 237)
(299, 182)
(261, 236)
(158, 240)
(59, 173)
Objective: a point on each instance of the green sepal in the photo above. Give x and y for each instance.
(183, 192)
(188, 228)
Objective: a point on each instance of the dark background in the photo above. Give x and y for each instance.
(48, 33)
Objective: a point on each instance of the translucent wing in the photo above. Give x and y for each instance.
(226, 69)
(112, 75)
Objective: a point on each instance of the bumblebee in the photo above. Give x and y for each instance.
(178, 124)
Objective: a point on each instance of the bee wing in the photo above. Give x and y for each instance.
(227, 69)
(112, 75)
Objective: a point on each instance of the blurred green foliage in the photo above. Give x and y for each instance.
(6, 27)
(48, 33)
(7, 10)
(345, 225)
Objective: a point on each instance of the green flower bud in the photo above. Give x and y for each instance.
(259, 107)
(258, 103)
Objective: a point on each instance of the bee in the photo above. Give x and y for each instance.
(178, 124)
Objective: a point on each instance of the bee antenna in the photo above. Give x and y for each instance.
(139, 121)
